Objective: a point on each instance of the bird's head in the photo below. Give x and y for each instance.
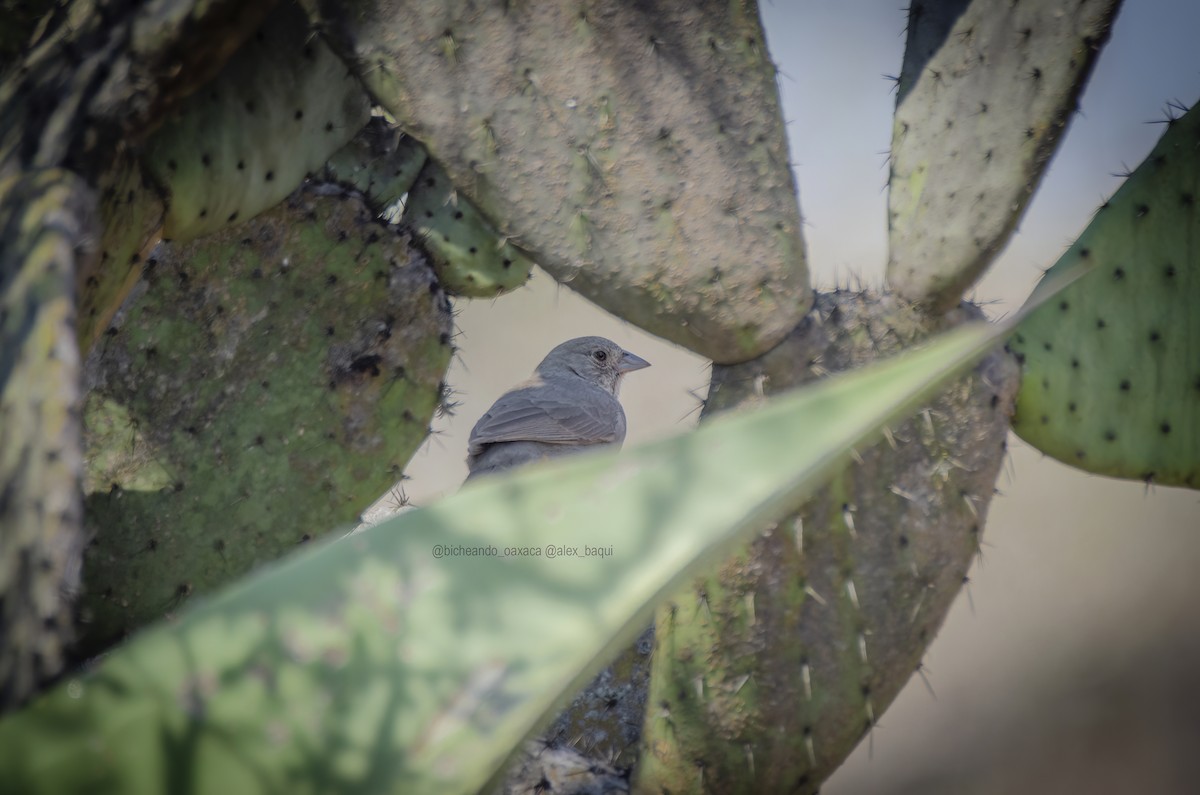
(595, 359)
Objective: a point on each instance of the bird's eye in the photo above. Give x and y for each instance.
(600, 356)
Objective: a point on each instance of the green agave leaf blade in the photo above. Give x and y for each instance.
(370, 664)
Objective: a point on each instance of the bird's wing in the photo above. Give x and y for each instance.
(553, 413)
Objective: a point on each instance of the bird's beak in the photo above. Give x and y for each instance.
(631, 362)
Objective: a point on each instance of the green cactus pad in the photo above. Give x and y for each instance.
(100, 75)
(768, 670)
(131, 213)
(471, 258)
(281, 106)
(45, 223)
(638, 157)
(1112, 366)
(380, 162)
(983, 99)
(276, 376)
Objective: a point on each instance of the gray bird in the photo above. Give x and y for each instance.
(570, 404)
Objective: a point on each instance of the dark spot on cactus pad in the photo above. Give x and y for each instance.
(172, 165)
(206, 159)
(1100, 323)
(1046, 384)
(1064, 305)
(1187, 199)
(1141, 211)
(1045, 420)
(1169, 271)
(250, 106)
(430, 182)
(458, 215)
(1074, 363)
(328, 126)
(368, 363)
(1029, 133)
(1165, 428)
(241, 165)
(232, 217)
(1071, 407)
(1084, 253)
(270, 175)
(203, 212)
(1020, 338)
(1155, 336)
(1125, 385)
(995, 401)
(506, 262)
(298, 115)
(1110, 435)
(1048, 346)
(1119, 274)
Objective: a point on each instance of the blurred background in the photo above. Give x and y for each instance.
(1072, 563)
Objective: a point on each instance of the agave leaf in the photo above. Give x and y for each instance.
(373, 664)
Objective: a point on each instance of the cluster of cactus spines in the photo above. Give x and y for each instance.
(769, 670)
(1111, 373)
(281, 106)
(602, 139)
(983, 99)
(380, 162)
(471, 258)
(557, 767)
(45, 228)
(279, 374)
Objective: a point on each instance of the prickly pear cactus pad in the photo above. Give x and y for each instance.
(44, 226)
(97, 74)
(281, 106)
(636, 152)
(261, 386)
(985, 94)
(1112, 366)
(767, 672)
(131, 213)
(470, 257)
(380, 162)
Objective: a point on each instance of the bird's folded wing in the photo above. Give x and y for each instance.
(550, 414)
